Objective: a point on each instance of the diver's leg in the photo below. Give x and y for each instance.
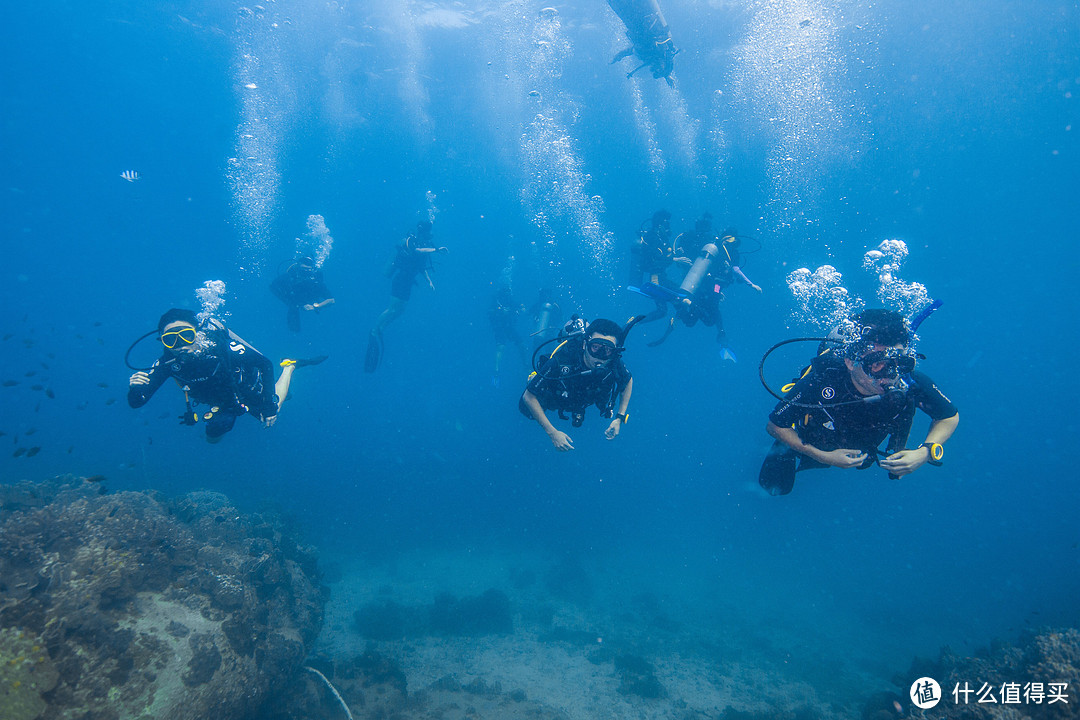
(391, 313)
(281, 387)
(777, 474)
(658, 314)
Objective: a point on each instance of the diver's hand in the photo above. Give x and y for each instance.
(613, 429)
(309, 306)
(906, 461)
(561, 441)
(139, 378)
(443, 250)
(269, 420)
(755, 287)
(842, 458)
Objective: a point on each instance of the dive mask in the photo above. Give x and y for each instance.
(600, 349)
(173, 338)
(891, 363)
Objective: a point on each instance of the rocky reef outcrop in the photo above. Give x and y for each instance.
(131, 606)
(1037, 677)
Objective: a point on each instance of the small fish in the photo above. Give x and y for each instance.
(31, 431)
(51, 356)
(11, 383)
(50, 394)
(8, 336)
(83, 405)
(19, 452)
(103, 384)
(37, 388)
(30, 373)
(95, 479)
(44, 365)
(130, 175)
(110, 401)
(70, 448)
(33, 451)
(98, 323)
(2, 433)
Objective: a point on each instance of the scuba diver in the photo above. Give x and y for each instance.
(301, 287)
(412, 257)
(716, 267)
(585, 369)
(650, 257)
(546, 314)
(214, 367)
(649, 35)
(504, 317)
(860, 389)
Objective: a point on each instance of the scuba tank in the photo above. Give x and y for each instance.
(543, 318)
(700, 268)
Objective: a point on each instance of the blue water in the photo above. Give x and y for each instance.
(953, 128)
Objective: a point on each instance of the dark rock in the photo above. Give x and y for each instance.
(205, 661)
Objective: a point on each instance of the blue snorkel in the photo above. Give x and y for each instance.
(921, 316)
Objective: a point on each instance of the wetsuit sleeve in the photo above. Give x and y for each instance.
(138, 395)
(539, 381)
(930, 399)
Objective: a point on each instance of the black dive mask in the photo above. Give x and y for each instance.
(891, 363)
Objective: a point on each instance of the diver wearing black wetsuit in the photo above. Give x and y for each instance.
(582, 371)
(225, 373)
(301, 287)
(412, 257)
(837, 424)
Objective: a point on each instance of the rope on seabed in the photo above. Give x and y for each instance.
(332, 689)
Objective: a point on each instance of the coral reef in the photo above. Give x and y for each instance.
(1017, 676)
(25, 673)
(150, 608)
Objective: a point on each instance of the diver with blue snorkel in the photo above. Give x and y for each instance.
(860, 389)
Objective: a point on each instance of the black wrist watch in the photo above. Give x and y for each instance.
(625, 418)
(936, 453)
